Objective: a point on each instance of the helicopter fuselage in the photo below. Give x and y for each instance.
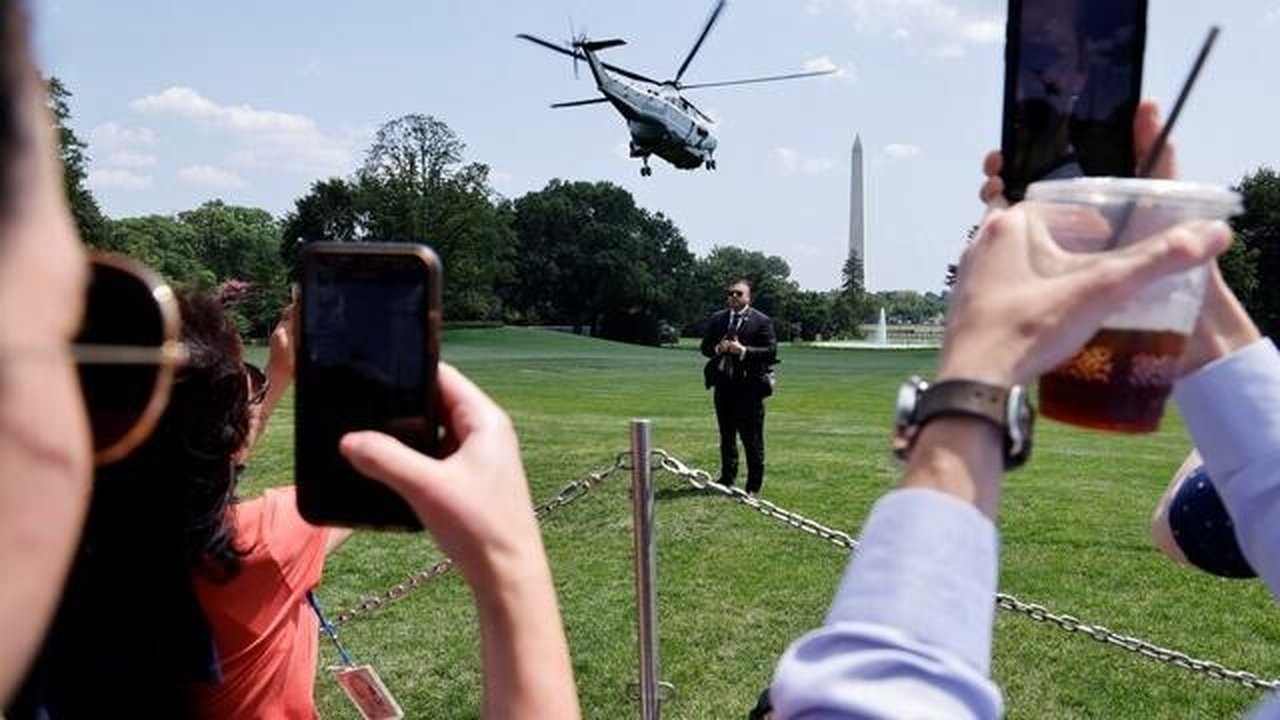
(660, 121)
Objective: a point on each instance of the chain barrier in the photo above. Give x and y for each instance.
(567, 495)
(702, 480)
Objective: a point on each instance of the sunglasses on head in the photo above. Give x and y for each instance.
(127, 353)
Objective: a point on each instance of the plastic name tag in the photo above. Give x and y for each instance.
(365, 690)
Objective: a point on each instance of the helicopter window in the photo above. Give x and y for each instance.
(702, 131)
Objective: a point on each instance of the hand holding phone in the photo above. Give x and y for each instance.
(367, 355)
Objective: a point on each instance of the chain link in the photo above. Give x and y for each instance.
(702, 480)
(568, 494)
(1103, 634)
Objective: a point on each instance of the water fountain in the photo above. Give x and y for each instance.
(882, 331)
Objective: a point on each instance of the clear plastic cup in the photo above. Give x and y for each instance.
(1121, 378)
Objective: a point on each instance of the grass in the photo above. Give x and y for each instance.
(735, 587)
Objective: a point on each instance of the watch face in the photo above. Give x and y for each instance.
(908, 396)
(1018, 423)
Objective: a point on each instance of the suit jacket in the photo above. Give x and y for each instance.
(749, 371)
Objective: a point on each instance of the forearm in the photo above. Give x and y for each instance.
(1232, 410)
(527, 669)
(916, 603)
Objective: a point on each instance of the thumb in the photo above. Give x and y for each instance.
(390, 462)
(1176, 249)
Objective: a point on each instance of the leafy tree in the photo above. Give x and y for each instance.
(589, 257)
(330, 211)
(415, 149)
(239, 243)
(90, 221)
(1258, 234)
(851, 306)
(413, 188)
(165, 245)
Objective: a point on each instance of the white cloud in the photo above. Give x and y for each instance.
(941, 25)
(793, 162)
(127, 159)
(789, 158)
(844, 72)
(118, 180)
(270, 138)
(113, 136)
(1272, 16)
(209, 176)
(901, 151)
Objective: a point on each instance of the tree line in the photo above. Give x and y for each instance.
(578, 254)
(574, 253)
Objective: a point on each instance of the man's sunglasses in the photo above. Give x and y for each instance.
(127, 353)
(734, 293)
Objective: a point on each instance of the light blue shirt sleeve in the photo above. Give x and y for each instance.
(1232, 410)
(909, 631)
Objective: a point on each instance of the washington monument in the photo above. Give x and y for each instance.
(857, 210)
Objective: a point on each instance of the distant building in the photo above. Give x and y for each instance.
(858, 209)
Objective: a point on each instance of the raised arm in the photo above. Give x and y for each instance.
(476, 504)
(909, 632)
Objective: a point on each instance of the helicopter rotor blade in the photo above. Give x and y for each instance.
(549, 45)
(749, 81)
(577, 55)
(697, 45)
(576, 103)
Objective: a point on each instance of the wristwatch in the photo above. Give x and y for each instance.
(1006, 408)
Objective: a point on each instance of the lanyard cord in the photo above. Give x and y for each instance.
(328, 629)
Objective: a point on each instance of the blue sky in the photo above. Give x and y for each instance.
(251, 101)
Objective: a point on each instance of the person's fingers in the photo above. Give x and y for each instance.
(1121, 273)
(466, 407)
(992, 192)
(389, 461)
(992, 163)
(1146, 129)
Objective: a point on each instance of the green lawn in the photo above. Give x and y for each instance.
(735, 587)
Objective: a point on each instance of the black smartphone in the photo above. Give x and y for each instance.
(369, 319)
(1073, 79)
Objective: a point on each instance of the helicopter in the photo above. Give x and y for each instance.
(660, 119)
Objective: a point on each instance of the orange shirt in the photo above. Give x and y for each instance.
(266, 634)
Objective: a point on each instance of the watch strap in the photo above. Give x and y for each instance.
(964, 397)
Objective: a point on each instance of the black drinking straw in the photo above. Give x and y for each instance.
(1157, 149)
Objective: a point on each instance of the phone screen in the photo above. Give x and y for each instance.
(1073, 79)
(367, 360)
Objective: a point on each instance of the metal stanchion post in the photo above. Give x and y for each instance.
(646, 568)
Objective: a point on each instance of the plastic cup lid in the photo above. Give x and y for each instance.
(1214, 201)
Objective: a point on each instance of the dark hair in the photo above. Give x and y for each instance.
(741, 281)
(190, 452)
(129, 616)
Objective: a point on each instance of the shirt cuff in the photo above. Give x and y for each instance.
(1230, 407)
(926, 565)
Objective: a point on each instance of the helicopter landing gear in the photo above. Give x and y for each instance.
(711, 163)
(645, 170)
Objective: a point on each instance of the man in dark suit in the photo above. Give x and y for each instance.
(741, 348)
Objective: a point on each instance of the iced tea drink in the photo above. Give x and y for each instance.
(1119, 381)
(1121, 378)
